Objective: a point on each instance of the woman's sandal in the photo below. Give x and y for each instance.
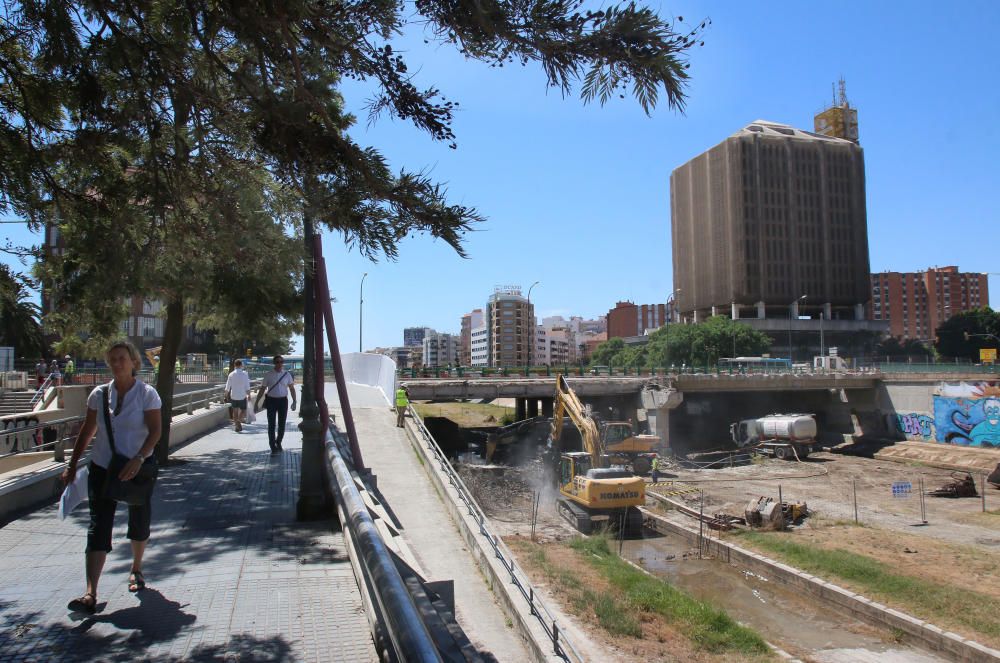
(86, 603)
(136, 581)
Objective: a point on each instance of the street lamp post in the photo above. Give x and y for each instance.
(732, 305)
(531, 335)
(361, 310)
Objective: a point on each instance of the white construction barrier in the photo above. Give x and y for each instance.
(374, 370)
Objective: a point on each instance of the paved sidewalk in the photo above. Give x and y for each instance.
(231, 576)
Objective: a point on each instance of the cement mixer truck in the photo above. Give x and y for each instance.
(785, 436)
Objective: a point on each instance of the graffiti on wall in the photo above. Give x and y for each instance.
(968, 414)
(14, 438)
(915, 426)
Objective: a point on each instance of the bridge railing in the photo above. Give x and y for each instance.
(406, 630)
(561, 646)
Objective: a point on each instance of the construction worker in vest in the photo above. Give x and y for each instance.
(656, 469)
(402, 402)
(69, 370)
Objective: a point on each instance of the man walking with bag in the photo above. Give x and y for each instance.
(278, 384)
(237, 390)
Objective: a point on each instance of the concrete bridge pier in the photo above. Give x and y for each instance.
(532, 408)
(548, 406)
(520, 408)
(658, 405)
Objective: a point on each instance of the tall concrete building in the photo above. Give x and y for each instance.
(510, 324)
(767, 216)
(627, 319)
(414, 336)
(470, 321)
(916, 303)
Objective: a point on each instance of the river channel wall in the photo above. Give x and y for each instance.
(921, 633)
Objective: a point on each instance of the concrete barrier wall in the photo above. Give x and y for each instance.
(921, 633)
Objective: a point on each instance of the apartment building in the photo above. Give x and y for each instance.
(440, 350)
(510, 324)
(414, 336)
(470, 321)
(916, 303)
(479, 346)
(627, 319)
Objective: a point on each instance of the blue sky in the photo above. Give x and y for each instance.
(577, 197)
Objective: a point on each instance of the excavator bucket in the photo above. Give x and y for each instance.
(994, 477)
(961, 487)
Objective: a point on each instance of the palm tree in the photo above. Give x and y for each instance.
(20, 325)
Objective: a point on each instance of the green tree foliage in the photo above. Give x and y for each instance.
(156, 134)
(20, 325)
(911, 348)
(983, 327)
(607, 352)
(692, 345)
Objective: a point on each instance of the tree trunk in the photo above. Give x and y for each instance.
(172, 335)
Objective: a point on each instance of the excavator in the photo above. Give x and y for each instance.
(591, 492)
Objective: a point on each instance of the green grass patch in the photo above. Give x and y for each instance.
(926, 599)
(708, 627)
(466, 415)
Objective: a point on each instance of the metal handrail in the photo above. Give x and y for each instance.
(205, 397)
(411, 641)
(561, 646)
(40, 393)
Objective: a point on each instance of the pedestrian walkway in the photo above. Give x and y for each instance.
(230, 575)
(425, 523)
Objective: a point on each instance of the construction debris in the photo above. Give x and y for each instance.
(960, 487)
(767, 513)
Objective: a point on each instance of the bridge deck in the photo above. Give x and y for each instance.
(231, 575)
(424, 522)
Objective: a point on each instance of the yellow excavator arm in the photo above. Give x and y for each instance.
(153, 355)
(567, 402)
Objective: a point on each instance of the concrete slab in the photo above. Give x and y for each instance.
(231, 575)
(424, 522)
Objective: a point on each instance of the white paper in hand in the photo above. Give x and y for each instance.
(249, 416)
(74, 493)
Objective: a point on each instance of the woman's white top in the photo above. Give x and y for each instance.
(238, 384)
(129, 425)
(278, 380)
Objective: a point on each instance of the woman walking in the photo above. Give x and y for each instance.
(133, 410)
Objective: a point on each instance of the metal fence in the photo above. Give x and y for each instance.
(561, 646)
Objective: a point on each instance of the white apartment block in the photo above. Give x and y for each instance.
(480, 346)
(440, 349)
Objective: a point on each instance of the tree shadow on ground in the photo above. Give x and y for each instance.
(218, 504)
(156, 621)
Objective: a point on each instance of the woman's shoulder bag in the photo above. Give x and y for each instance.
(136, 491)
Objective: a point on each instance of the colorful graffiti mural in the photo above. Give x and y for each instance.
(968, 414)
(915, 426)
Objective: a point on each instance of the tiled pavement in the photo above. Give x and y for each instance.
(231, 576)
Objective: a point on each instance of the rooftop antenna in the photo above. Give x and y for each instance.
(833, 93)
(843, 93)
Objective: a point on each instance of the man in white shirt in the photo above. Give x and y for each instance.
(237, 390)
(277, 386)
